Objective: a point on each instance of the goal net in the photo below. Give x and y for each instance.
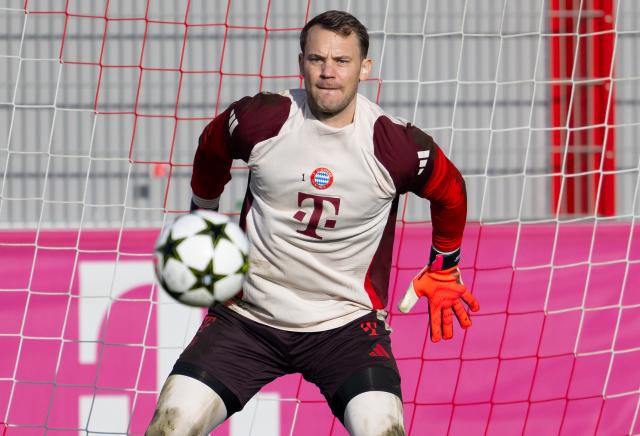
(536, 102)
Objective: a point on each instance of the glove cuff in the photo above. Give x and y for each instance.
(439, 261)
(202, 203)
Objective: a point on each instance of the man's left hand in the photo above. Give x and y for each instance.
(444, 290)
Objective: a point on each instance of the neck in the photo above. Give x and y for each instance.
(337, 119)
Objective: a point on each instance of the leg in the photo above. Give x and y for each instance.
(186, 407)
(374, 413)
(229, 359)
(361, 381)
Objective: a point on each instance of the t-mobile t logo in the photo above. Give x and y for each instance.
(314, 220)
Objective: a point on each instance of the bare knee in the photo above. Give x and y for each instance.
(378, 426)
(396, 429)
(374, 413)
(172, 420)
(186, 407)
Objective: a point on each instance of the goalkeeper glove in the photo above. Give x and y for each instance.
(440, 282)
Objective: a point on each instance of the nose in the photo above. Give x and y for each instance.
(327, 70)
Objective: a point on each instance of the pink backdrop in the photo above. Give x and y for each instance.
(514, 372)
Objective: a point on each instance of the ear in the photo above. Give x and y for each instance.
(300, 62)
(365, 69)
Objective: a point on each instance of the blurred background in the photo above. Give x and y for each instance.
(99, 117)
(535, 101)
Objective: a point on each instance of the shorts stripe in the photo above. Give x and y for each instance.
(230, 400)
(373, 378)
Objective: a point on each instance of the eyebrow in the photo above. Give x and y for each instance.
(338, 57)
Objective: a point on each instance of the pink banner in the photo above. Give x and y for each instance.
(86, 340)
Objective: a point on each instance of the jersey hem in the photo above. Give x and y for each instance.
(323, 326)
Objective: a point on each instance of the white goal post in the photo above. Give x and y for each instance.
(536, 102)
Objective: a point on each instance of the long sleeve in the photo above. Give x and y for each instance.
(417, 164)
(446, 191)
(232, 135)
(212, 162)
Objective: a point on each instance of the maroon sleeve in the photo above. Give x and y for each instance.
(212, 162)
(232, 135)
(445, 189)
(417, 165)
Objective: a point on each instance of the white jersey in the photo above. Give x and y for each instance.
(321, 204)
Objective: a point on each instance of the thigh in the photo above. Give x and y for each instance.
(233, 356)
(350, 360)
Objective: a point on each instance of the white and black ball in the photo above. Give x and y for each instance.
(201, 258)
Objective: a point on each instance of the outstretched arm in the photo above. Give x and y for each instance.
(446, 191)
(440, 281)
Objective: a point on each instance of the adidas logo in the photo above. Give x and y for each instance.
(379, 351)
(423, 156)
(233, 122)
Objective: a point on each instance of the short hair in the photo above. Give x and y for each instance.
(340, 22)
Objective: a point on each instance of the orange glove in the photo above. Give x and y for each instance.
(443, 289)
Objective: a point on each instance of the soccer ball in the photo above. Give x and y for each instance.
(201, 258)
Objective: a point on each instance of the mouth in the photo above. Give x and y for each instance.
(328, 92)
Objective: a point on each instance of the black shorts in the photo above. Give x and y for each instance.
(236, 357)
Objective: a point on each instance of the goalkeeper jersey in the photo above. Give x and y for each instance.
(321, 204)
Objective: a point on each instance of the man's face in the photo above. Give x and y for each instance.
(332, 66)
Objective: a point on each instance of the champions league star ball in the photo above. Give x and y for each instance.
(201, 258)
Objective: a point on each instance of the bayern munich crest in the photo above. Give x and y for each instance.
(321, 178)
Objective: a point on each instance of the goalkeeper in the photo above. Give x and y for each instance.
(327, 168)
